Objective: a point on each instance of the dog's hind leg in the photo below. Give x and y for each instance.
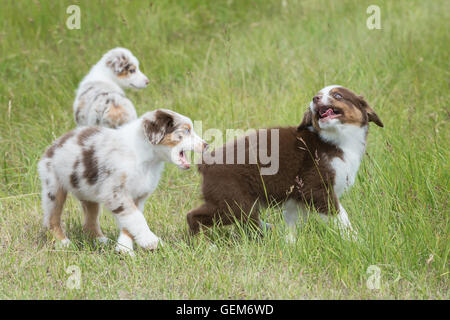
(295, 216)
(198, 217)
(52, 203)
(91, 224)
(205, 216)
(53, 198)
(208, 214)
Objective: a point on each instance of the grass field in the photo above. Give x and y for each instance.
(235, 64)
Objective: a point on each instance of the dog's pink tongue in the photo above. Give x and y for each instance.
(328, 113)
(184, 161)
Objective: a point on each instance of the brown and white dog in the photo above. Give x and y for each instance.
(100, 99)
(117, 167)
(318, 161)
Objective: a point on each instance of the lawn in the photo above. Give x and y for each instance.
(235, 65)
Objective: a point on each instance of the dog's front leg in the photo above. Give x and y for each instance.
(133, 226)
(343, 223)
(291, 211)
(345, 227)
(140, 203)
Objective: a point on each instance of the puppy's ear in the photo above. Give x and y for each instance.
(370, 112)
(307, 120)
(118, 63)
(156, 128)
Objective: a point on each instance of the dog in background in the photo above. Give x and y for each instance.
(117, 167)
(318, 161)
(100, 99)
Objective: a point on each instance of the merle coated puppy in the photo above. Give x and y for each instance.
(120, 168)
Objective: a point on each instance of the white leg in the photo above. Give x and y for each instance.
(265, 226)
(124, 243)
(140, 203)
(134, 223)
(102, 240)
(345, 227)
(291, 217)
(343, 223)
(63, 244)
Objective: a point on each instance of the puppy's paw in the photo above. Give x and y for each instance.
(352, 236)
(213, 247)
(290, 238)
(124, 250)
(63, 244)
(102, 240)
(148, 241)
(349, 234)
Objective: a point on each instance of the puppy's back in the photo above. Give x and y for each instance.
(100, 103)
(222, 178)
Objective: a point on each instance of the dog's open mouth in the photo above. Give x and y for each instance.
(184, 162)
(328, 113)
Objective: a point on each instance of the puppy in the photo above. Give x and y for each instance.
(100, 99)
(318, 161)
(119, 168)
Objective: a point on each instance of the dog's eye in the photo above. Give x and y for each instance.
(132, 70)
(187, 131)
(337, 96)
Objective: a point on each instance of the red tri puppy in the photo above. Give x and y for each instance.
(318, 162)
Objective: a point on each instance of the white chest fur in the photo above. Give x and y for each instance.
(145, 179)
(352, 141)
(345, 172)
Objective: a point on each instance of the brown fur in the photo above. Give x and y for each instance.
(354, 108)
(118, 209)
(116, 115)
(90, 166)
(84, 135)
(236, 191)
(91, 212)
(127, 233)
(171, 139)
(126, 71)
(74, 180)
(121, 66)
(157, 129)
(139, 199)
(55, 216)
(58, 144)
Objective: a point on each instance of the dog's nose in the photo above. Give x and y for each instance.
(316, 99)
(147, 81)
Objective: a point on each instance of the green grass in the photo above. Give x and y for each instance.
(235, 64)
